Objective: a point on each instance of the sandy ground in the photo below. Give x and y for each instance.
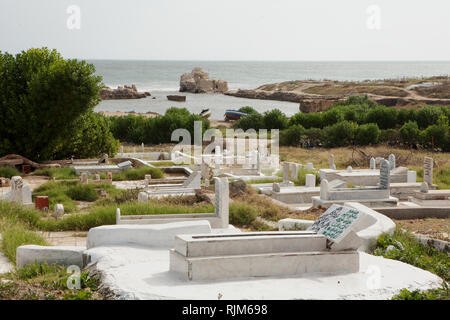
(431, 227)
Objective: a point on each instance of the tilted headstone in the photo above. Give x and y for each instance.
(385, 175)
(222, 199)
(373, 164)
(193, 181)
(391, 160)
(336, 223)
(125, 165)
(310, 181)
(324, 189)
(428, 170)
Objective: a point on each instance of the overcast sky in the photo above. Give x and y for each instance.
(231, 29)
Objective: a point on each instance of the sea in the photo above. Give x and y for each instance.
(161, 78)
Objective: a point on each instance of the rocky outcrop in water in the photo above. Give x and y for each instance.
(198, 82)
(122, 92)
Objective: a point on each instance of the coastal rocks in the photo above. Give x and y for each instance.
(198, 82)
(315, 105)
(122, 92)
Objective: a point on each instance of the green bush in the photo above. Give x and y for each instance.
(248, 110)
(406, 115)
(390, 136)
(292, 136)
(367, 134)
(252, 121)
(339, 134)
(242, 214)
(42, 98)
(332, 116)
(8, 172)
(275, 119)
(409, 133)
(428, 116)
(384, 117)
(307, 120)
(138, 174)
(432, 294)
(436, 136)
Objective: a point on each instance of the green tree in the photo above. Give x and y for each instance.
(340, 134)
(42, 97)
(292, 136)
(384, 117)
(275, 119)
(367, 134)
(409, 133)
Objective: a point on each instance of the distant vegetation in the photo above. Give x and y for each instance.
(357, 121)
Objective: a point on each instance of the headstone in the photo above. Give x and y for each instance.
(143, 149)
(336, 223)
(16, 189)
(103, 158)
(373, 164)
(142, 197)
(309, 166)
(384, 174)
(428, 170)
(97, 177)
(349, 169)
(121, 150)
(324, 189)
(310, 181)
(193, 181)
(125, 165)
(58, 210)
(391, 161)
(285, 172)
(134, 150)
(276, 187)
(424, 187)
(332, 164)
(26, 194)
(293, 170)
(117, 216)
(84, 178)
(222, 199)
(411, 177)
(109, 175)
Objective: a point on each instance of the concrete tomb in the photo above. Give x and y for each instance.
(327, 247)
(218, 219)
(370, 196)
(20, 192)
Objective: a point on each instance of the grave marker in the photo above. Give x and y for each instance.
(373, 164)
(384, 175)
(391, 161)
(428, 170)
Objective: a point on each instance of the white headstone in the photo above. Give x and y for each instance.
(84, 178)
(373, 164)
(142, 145)
(324, 189)
(332, 164)
(125, 165)
(117, 216)
(309, 166)
(411, 177)
(391, 161)
(385, 175)
(194, 180)
(142, 197)
(59, 210)
(26, 194)
(285, 172)
(121, 150)
(310, 181)
(222, 198)
(428, 170)
(349, 169)
(293, 170)
(16, 189)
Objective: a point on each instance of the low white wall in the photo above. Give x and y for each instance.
(31, 254)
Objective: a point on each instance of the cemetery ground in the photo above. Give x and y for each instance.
(90, 205)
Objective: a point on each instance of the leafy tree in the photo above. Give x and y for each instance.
(409, 133)
(340, 134)
(248, 110)
(436, 136)
(428, 116)
(252, 121)
(384, 117)
(307, 120)
(42, 97)
(367, 134)
(292, 136)
(275, 119)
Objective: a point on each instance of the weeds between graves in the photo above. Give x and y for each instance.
(47, 282)
(8, 172)
(136, 174)
(57, 173)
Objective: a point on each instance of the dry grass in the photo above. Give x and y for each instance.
(354, 88)
(432, 227)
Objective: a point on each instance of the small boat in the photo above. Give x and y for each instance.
(206, 113)
(176, 98)
(234, 115)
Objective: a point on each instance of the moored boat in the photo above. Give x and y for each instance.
(206, 113)
(234, 114)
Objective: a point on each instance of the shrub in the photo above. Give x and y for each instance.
(242, 214)
(406, 115)
(82, 192)
(436, 136)
(332, 116)
(292, 136)
(252, 121)
(248, 110)
(367, 134)
(57, 173)
(384, 117)
(8, 172)
(409, 133)
(339, 134)
(275, 119)
(428, 116)
(307, 120)
(138, 174)
(390, 136)
(312, 138)
(42, 98)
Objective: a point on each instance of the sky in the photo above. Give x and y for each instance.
(313, 30)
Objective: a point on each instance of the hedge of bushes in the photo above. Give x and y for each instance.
(138, 129)
(357, 121)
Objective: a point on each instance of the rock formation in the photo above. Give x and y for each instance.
(198, 82)
(125, 92)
